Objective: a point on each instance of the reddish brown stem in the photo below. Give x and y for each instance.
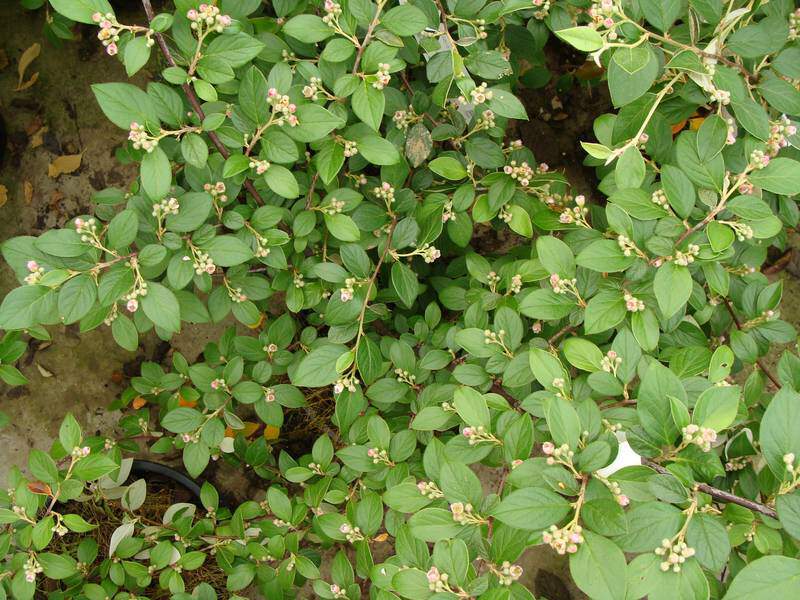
(759, 361)
(195, 102)
(723, 496)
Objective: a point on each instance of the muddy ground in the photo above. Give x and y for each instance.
(58, 116)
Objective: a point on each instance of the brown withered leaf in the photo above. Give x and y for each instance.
(418, 144)
(27, 190)
(37, 487)
(64, 164)
(43, 372)
(3, 195)
(24, 62)
(37, 138)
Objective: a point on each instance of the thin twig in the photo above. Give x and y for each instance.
(759, 361)
(373, 24)
(722, 495)
(194, 101)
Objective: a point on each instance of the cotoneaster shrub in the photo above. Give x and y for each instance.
(320, 171)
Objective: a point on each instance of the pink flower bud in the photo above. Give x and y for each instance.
(32, 265)
(133, 305)
(97, 17)
(548, 448)
(467, 432)
(623, 500)
(433, 575)
(111, 49)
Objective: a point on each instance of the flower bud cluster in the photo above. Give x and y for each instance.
(557, 454)
(542, 9)
(298, 281)
(335, 207)
(561, 285)
(702, 437)
(758, 159)
(464, 514)
(260, 166)
(350, 148)
(576, 214)
(217, 191)
(31, 568)
(168, 206)
(721, 96)
(348, 383)
(403, 118)
(385, 192)
(485, 121)
(430, 490)
(332, 12)
(632, 303)
(674, 554)
(283, 110)
(516, 284)
(337, 591)
(794, 25)
(208, 16)
(480, 94)
(610, 362)
(564, 540)
(626, 245)
(379, 456)
(684, 259)
(311, 90)
(141, 139)
(352, 534)
(476, 435)
(201, 262)
(35, 272)
(382, 77)
(506, 572)
(779, 132)
(406, 377)
(346, 293)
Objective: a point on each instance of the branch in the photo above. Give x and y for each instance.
(195, 102)
(759, 361)
(721, 495)
(373, 24)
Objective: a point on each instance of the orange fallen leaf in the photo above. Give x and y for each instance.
(37, 487)
(138, 402)
(678, 127)
(381, 537)
(64, 164)
(37, 138)
(249, 429)
(24, 62)
(27, 190)
(694, 123)
(3, 195)
(186, 403)
(271, 432)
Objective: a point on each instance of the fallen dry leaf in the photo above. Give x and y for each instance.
(138, 402)
(3, 195)
(37, 487)
(37, 138)
(27, 190)
(24, 62)
(64, 164)
(42, 371)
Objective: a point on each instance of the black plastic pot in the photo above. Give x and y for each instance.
(143, 468)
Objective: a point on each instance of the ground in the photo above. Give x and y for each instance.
(58, 116)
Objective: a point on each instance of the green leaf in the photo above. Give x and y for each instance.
(404, 283)
(780, 176)
(156, 174)
(433, 524)
(228, 251)
(716, 407)
(555, 256)
(194, 150)
(711, 137)
(57, 566)
(42, 467)
(780, 430)
(531, 509)
(281, 181)
(235, 49)
(76, 298)
(182, 420)
(471, 407)
(505, 104)
(124, 103)
(136, 55)
(631, 73)
(404, 20)
(307, 28)
(20, 307)
(315, 123)
(81, 10)
(162, 308)
(368, 104)
(122, 229)
(342, 227)
(193, 210)
(767, 578)
(672, 287)
(448, 167)
(584, 39)
(318, 367)
(598, 568)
